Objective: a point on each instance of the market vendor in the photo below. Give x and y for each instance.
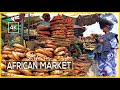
(81, 44)
(46, 20)
(75, 50)
(105, 49)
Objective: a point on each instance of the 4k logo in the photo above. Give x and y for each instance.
(13, 27)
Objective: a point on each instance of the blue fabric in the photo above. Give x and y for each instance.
(109, 17)
(110, 27)
(44, 23)
(104, 48)
(107, 65)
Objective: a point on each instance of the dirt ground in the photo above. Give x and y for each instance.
(94, 68)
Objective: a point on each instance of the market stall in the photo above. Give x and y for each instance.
(12, 29)
(51, 42)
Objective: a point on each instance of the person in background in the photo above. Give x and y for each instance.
(105, 50)
(81, 44)
(46, 20)
(77, 49)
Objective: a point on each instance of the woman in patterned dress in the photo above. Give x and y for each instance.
(105, 50)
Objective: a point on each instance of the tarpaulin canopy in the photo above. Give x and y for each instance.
(87, 19)
(83, 20)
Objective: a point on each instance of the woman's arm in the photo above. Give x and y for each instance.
(114, 43)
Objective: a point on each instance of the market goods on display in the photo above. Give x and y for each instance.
(58, 27)
(10, 54)
(43, 31)
(61, 31)
(19, 52)
(70, 28)
(32, 32)
(81, 65)
(89, 42)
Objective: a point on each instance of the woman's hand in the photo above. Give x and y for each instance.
(100, 40)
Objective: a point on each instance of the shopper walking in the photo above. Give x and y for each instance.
(105, 50)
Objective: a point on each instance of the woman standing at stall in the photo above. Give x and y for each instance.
(46, 20)
(105, 50)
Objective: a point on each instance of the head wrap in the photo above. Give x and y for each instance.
(104, 22)
(107, 20)
(46, 15)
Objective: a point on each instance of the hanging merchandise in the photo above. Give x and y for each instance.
(8, 19)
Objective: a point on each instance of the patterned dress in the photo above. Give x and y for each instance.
(107, 66)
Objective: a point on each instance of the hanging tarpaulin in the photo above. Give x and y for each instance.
(87, 19)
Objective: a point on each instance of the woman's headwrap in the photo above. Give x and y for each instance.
(46, 15)
(107, 19)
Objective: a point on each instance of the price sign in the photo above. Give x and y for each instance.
(13, 27)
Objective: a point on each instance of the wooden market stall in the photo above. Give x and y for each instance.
(29, 31)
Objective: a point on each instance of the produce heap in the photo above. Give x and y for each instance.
(89, 42)
(43, 31)
(70, 28)
(19, 52)
(59, 27)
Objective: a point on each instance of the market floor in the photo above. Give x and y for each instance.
(94, 68)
